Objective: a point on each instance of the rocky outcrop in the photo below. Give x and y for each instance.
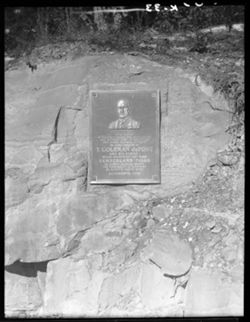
(106, 249)
(50, 224)
(82, 288)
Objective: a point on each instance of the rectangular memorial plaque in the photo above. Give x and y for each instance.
(124, 137)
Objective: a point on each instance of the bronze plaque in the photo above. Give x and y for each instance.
(124, 137)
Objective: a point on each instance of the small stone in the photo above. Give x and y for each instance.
(216, 229)
(229, 253)
(136, 70)
(161, 212)
(150, 223)
(211, 224)
(239, 62)
(142, 45)
(228, 159)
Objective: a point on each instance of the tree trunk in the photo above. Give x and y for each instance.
(99, 19)
(42, 22)
(68, 20)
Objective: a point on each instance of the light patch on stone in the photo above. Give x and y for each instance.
(211, 294)
(117, 286)
(71, 291)
(156, 290)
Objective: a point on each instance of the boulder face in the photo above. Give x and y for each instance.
(44, 172)
(50, 204)
(169, 252)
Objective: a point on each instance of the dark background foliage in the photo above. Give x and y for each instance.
(217, 57)
(27, 27)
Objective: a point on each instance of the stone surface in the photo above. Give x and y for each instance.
(212, 294)
(188, 126)
(96, 241)
(16, 191)
(161, 212)
(21, 289)
(47, 225)
(71, 289)
(160, 288)
(169, 252)
(51, 209)
(120, 291)
(81, 289)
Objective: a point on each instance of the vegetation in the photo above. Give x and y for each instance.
(55, 32)
(27, 27)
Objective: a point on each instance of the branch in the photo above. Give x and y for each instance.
(109, 10)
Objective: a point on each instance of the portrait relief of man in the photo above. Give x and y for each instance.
(124, 120)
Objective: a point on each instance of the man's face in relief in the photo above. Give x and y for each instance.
(123, 109)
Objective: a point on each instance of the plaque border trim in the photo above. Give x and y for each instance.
(157, 152)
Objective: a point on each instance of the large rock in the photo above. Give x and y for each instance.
(49, 202)
(168, 251)
(47, 136)
(191, 131)
(80, 288)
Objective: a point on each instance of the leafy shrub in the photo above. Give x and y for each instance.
(233, 88)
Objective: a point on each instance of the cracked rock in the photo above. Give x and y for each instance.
(172, 254)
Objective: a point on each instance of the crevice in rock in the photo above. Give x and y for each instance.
(27, 269)
(55, 126)
(38, 187)
(74, 242)
(151, 261)
(54, 132)
(176, 276)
